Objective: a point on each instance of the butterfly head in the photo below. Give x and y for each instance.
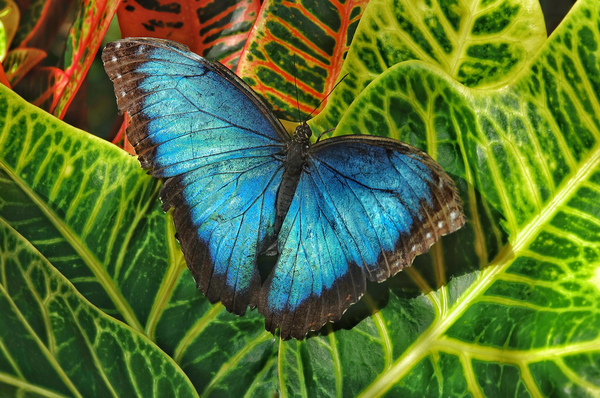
(303, 132)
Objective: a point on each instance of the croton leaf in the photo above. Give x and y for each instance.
(40, 22)
(51, 87)
(295, 52)
(215, 29)
(94, 214)
(54, 343)
(509, 305)
(481, 44)
(9, 20)
(84, 39)
(3, 78)
(121, 140)
(42, 86)
(529, 321)
(20, 61)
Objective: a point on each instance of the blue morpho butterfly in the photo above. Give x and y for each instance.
(340, 212)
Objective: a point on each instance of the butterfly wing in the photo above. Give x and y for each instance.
(363, 209)
(201, 128)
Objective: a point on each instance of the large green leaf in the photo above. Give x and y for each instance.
(94, 214)
(480, 43)
(53, 343)
(529, 322)
(499, 308)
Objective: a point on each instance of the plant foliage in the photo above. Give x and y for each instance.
(96, 300)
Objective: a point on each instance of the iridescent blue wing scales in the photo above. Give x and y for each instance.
(219, 148)
(363, 209)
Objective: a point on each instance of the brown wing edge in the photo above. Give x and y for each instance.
(121, 59)
(313, 313)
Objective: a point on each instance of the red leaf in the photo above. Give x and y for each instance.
(121, 140)
(20, 61)
(3, 78)
(83, 41)
(42, 86)
(307, 41)
(40, 22)
(216, 29)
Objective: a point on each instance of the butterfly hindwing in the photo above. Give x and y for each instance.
(363, 209)
(201, 128)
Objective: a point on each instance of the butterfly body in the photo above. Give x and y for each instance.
(339, 212)
(295, 161)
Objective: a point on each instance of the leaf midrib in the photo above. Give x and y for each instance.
(24, 386)
(422, 345)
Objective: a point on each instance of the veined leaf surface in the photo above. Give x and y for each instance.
(479, 43)
(295, 52)
(529, 322)
(94, 214)
(215, 29)
(499, 308)
(55, 344)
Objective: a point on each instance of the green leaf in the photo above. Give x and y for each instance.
(529, 322)
(82, 203)
(509, 305)
(481, 44)
(9, 17)
(54, 343)
(94, 214)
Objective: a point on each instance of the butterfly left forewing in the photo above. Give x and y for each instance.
(364, 208)
(200, 128)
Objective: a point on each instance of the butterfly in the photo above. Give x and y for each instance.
(338, 213)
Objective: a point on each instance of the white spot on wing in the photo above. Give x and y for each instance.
(453, 216)
(428, 235)
(440, 224)
(118, 45)
(113, 59)
(414, 248)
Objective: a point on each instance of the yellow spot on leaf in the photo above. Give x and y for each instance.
(68, 171)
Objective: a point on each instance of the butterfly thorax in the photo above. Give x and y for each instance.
(296, 155)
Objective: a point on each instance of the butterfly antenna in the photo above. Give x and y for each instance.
(324, 132)
(337, 84)
(296, 85)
